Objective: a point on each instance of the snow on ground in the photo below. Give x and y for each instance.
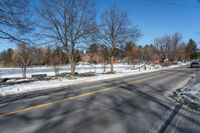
(121, 70)
(16, 72)
(190, 94)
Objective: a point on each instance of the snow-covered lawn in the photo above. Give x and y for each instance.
(16, 72)
(121, 70)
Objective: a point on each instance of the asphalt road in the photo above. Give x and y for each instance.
(138, 103)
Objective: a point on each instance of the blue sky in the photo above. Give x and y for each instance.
(155, 19)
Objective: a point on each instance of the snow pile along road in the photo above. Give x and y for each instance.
(190, 94)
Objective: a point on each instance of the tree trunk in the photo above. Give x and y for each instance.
(24, 71)
(104, 67)
(111, 64)
(72, 64)
(60, 54)
(56, 70)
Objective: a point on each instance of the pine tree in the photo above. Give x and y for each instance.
(191, 50)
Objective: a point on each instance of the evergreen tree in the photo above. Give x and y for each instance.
(191, 50)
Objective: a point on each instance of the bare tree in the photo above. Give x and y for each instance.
(14, 21)
(93, 51)
(150, 53)
(132, 53)
(69, 23)
(55, 61)
(163, 45)
(176, 38)
(23, 57)
(181, 52)
(167, 46)
(115, 30)
(104, 54)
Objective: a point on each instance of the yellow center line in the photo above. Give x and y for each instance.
(72, 98)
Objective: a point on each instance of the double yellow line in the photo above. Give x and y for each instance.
(74, 97)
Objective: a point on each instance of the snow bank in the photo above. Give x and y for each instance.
(190, 94)
(42, 85)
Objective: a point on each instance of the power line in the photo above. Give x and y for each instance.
(173, 4)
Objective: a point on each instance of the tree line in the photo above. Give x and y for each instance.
(130, 53)
(71, 26)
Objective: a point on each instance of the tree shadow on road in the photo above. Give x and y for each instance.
(128, 108)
